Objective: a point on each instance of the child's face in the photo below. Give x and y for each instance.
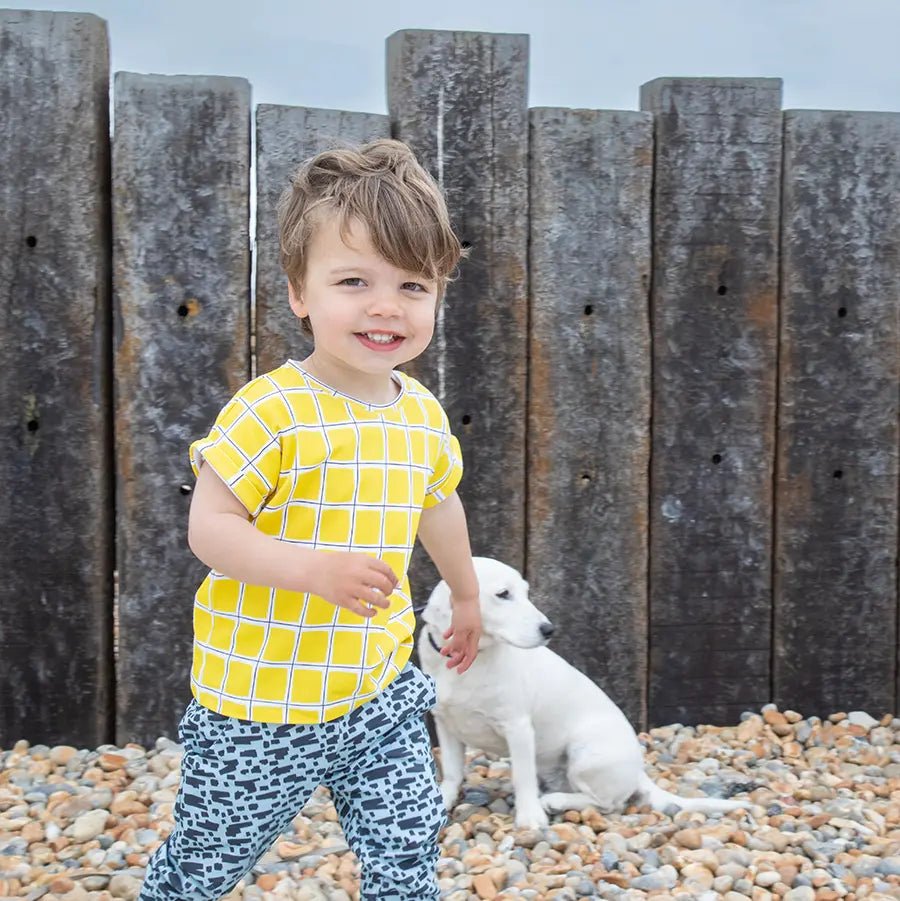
(366, 314)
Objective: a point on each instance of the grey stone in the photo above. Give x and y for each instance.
(861, 718)
(476, 797)
(666, 877)
(609, 859)
(889, 866)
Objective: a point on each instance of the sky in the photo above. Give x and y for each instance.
(831, 54)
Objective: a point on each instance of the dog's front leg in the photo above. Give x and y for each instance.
(520, 739)
(453, 760)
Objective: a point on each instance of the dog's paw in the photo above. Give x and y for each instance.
(531, 816)
(555, 802)
(449, 792)
(559, 802)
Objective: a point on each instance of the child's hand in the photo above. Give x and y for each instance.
(356, 582)
(463, 634)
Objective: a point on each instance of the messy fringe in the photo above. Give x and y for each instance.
(382, 185)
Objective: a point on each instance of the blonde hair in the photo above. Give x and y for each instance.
(382, 185)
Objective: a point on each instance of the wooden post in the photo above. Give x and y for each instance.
(836, 576)
(285, 136)
(460, 100)
(56, 538)
(589, 391)
(714, 309)
(181, 164)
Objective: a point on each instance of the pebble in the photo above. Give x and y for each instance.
(822, 823)
(802, 893)
(89, 825)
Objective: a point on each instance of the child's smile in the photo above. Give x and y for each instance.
(380, 341)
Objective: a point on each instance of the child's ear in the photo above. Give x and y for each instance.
(295, 299)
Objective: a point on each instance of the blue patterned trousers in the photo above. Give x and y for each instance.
(242, 783)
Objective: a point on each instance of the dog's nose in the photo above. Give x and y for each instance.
(547, 629)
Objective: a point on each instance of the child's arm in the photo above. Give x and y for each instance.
(221, 535)
(443, 532)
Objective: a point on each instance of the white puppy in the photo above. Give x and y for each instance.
(520, 700)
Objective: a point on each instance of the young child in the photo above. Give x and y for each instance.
(311, 489)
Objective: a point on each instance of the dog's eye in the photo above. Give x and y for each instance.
(504, 595)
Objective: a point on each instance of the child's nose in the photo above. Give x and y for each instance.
(384, 303)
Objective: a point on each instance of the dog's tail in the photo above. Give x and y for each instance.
(659, 799)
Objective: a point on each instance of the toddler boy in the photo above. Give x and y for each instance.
(311, 488)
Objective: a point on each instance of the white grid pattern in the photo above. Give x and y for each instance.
(316, 468)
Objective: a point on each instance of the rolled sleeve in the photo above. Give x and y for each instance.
(446, 474)
(244, 446)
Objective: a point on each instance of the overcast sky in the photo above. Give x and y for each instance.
(831, 54)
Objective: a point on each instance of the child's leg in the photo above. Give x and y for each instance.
(387, 796)
(241, 785)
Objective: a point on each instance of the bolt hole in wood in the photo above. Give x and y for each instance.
(467, 420)
(842, 312)
(31, 241)
(189, 307)
(588, 309)
(717, 459)
(465, 244)
(721, 290)
(585, 479)
(839, 473)
(33, 425)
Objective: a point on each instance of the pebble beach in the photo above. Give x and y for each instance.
(822, 821)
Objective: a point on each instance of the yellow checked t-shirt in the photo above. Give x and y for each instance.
(316, 468)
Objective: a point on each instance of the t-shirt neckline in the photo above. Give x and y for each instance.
(395, 375)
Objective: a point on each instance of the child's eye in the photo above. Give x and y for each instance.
(414, 286)
(352, 282)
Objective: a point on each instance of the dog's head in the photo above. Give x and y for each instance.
(506, 613)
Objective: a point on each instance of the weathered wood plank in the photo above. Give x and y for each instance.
(837, 478)
(181, 164)
(56, 530)
(714, 309)
(285, 136)
(589, 391)
(459, 99)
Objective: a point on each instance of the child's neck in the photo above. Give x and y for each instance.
(370, 389)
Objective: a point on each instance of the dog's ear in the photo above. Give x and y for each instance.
(437, 611)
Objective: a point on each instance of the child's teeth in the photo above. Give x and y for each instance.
(381, 339)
